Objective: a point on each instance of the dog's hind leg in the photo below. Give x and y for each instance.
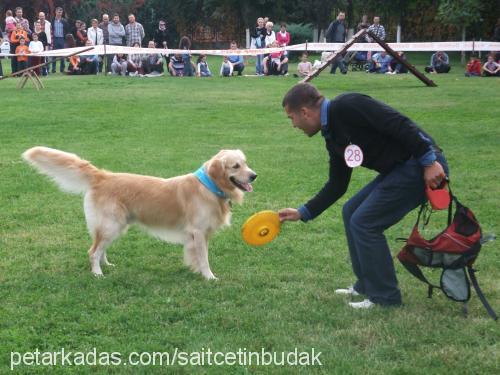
(102, 239)
(104, 229)
(104, 260)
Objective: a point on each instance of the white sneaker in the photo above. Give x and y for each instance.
(348, 292)
(366, 304)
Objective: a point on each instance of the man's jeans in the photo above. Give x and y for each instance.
(378, 206)
(338, 63)
(58, 44)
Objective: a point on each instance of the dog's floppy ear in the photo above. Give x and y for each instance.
(216, 169)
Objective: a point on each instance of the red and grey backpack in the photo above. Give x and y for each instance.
(454, 250)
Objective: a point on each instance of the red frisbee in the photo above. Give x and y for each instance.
(439, 198)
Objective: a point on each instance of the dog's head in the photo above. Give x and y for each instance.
(229, 170)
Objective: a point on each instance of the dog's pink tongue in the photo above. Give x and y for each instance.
(248, 187)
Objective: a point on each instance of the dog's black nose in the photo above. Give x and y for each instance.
(253, 177)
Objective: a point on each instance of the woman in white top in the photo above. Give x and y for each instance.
(270, 35)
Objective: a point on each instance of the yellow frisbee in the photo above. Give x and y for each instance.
(261, 228)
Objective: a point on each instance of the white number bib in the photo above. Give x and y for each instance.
(353, 156)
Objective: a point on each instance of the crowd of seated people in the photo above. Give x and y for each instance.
(58, 33)
(475, 68)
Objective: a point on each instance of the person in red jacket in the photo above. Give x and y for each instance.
(283, 36)
(473, 67)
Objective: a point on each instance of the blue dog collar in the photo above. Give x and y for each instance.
(203, 177)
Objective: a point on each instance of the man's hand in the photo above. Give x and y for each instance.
(289, 214)
(434, 175)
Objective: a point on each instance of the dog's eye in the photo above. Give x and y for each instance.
(236, 166)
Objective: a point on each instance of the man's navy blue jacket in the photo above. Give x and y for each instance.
(386, 137)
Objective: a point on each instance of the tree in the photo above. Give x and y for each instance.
(461, 14)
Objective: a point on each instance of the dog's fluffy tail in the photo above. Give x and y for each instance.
(71, 174)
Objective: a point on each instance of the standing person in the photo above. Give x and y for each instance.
(10, 23)
(1, 69)
(185, 44)
(81, 33)
(270, 34)
(361, 131)
(161, 38)
(377, 29)
(21, 24)
(116, 31)
(134, 32)
(22, 51)
(364, 24)
(104, 27)
(96, 35)
(283, 38)
(35, 46)
(161, 35)
(258, 42)
(15, 41)
(106, 59)
(45, 36)
(60, 27)
(23, 21)
(336, 33)
(46, 27)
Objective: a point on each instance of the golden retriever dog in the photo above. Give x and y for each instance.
(186, 209)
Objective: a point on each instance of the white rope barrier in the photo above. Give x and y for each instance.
(315, 47)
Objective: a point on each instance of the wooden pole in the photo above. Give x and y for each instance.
(344, 48)
(410, 67)
(45, 63)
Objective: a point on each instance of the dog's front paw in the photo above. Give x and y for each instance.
(98, 274)
(210, 276)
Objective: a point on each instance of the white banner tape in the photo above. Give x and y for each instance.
(314, 47)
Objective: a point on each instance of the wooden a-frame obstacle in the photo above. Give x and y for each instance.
(29, 73)
(384, 45)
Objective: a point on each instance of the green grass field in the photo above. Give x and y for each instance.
(277, 297)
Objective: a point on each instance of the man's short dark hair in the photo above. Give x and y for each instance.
(302, 95)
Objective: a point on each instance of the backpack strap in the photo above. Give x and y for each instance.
(480, 294)
(417, 272)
